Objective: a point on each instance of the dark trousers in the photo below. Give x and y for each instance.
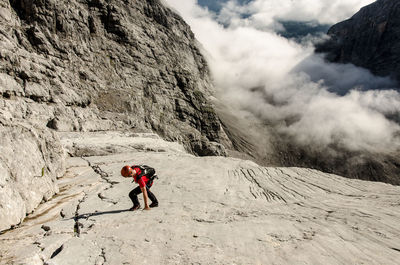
(136, 191)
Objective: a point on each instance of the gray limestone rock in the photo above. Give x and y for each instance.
(212, 210)
(31, 159)
(125, 64)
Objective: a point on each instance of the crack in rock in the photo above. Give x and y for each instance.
(104, 175)
(291, 191)
(46, 228)
(201, 220)
(269, 195)
(104, 198)
(77, 224)
(57, 251)
(396, 249)
(39, 245)
(103, 255)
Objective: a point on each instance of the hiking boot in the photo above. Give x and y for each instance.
(153, 204)
(134, 207)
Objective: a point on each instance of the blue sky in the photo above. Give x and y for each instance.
(215, 5)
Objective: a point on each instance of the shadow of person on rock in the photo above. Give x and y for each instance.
(87, 215)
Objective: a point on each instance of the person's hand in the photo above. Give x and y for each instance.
(146, 208)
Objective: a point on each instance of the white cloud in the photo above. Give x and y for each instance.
(265, 13)
(284, 83)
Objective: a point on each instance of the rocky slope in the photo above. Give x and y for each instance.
(97, 65)
(87, 66)
(370, 39)
(213, 210)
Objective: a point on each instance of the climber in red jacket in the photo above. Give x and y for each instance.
(144, 176)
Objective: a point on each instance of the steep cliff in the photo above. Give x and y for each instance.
(93, 65)
(96, 65)
(370, 39)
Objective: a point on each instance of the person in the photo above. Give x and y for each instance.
(144, 176)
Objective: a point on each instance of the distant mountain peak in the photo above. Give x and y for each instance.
(370, 39)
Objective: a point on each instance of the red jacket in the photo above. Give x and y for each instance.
(142, 181)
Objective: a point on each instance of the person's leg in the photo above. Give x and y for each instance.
(154, 201)
(133, 195)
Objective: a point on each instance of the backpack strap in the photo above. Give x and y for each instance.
(144, 171)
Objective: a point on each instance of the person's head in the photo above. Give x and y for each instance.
(127, 172)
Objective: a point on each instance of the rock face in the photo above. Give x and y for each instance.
(31, 159)
(97, 65)
(370, 39)
(213, 210)
(93, 65)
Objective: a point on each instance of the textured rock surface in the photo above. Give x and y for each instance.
(213, 210)
(30, 161)
(370, 39)
(94, 65)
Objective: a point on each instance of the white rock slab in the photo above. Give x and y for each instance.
(213, 210)
(31, 158)
(104, 143)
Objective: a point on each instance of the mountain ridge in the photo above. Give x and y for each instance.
(369, 39)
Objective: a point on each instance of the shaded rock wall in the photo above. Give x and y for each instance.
(128, 64)
(370, 39)
(93, 65)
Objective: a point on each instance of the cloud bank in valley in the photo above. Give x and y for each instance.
(285, 83)
(266, 13)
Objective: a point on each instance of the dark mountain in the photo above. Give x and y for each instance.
(297, 30)
(370, 39)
